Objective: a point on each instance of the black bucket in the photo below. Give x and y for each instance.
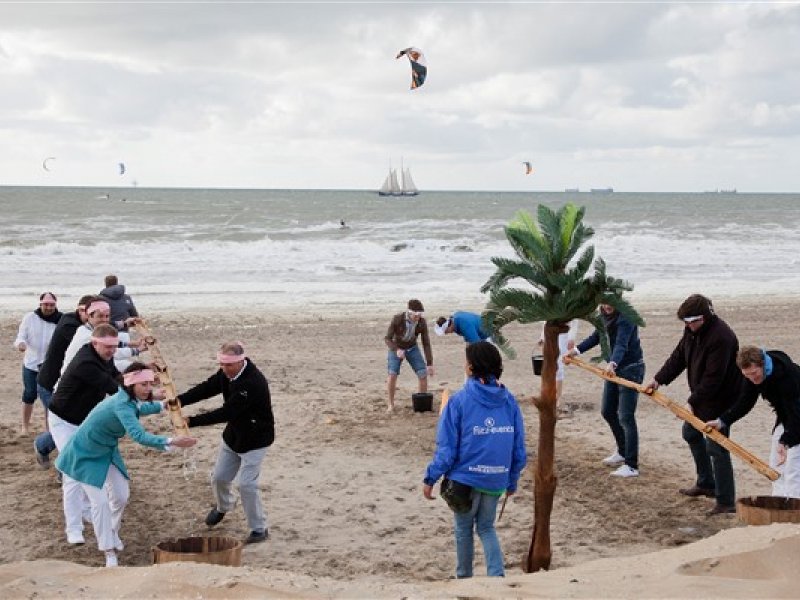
(422, 401)
(538, 361)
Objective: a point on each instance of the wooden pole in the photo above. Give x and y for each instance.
(684, 414)
(164, 378)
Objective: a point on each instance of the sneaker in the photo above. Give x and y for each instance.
(614, 460)
(111, 559)
(59, 477)
(257, 536)
(75, 538)
(42, 459)
(625, 471)
(214, 516)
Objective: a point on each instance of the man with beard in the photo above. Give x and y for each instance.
(34, 335)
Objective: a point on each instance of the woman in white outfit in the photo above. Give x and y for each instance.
(92, 458)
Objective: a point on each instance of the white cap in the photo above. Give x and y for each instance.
(442, 329)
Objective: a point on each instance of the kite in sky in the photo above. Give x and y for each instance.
(122, 168)
(528, 168)
(419, 68)
(44, 162)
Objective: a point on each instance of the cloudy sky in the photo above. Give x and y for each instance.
(637, 96)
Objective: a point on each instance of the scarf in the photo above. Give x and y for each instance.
(411, 330)
(54, 318)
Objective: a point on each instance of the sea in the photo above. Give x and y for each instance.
(279, 250)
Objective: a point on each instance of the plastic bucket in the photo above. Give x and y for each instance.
(422, 401)
(537, 360)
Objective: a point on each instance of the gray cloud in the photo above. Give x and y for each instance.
(585, 91)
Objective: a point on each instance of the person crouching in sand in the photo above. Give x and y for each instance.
(401, 338)
(480, 450)
(92, 458)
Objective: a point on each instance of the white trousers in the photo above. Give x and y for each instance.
(108, 504)
(74, 498)
(788, 484)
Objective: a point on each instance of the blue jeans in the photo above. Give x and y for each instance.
(29, 385)
(482, 514)
(44, 441)
(713, 464)
(619, 411)
(414, 358)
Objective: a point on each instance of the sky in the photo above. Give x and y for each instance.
(635, 96)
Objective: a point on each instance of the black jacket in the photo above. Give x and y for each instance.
(87, 380)
(50, 370)
(709, 358)
(782, 390)
(246, 408)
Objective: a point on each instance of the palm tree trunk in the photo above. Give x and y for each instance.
(544, 476)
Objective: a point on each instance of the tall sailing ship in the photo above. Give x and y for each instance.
(404, 187)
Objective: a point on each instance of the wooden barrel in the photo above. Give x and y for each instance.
(763, 510)
(211, 550)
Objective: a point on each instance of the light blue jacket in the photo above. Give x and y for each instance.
(94, 447)
(480, 439)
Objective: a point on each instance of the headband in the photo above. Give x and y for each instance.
(97, 305)
(229, 359)
(692, 319)
(141, 376)
(48, 297)
(108, 340)
(442, 329)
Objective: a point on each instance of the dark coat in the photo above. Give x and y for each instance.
(50, 370)
(782, 390)
(396, 331)
(246, 408)
(87, 380)
(120, 304)
(709, 358)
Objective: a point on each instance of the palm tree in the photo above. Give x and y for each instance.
(561, 291)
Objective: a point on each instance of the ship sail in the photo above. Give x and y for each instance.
(409, 189)
(391, 186)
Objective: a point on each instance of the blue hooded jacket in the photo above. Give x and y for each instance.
(480, 439)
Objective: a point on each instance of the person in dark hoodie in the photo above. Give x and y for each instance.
(773, 375)
(50, 371)
(250, 430)
(480, 445)
(123, 311)
(619, 402)
(707, 352)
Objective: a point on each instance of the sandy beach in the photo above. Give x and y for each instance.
(342, 483)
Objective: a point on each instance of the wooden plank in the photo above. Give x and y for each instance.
(164, 378)
(685, 414)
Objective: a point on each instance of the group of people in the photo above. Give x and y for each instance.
(480, 447)
(80, 364)
(95, 393)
